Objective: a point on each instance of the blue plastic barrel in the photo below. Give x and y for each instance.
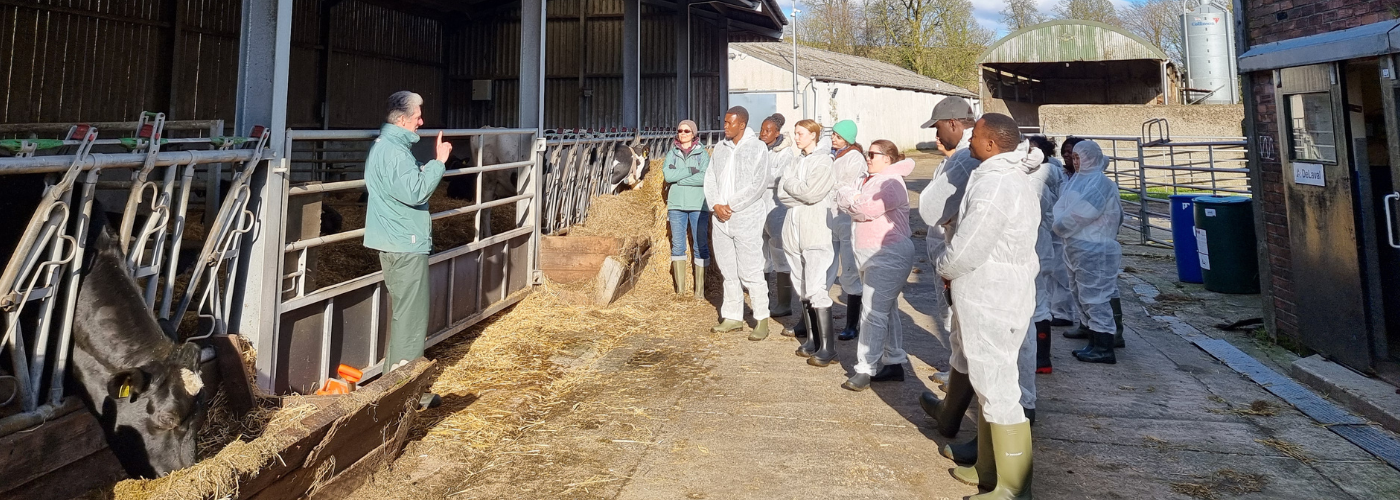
(1188, 264)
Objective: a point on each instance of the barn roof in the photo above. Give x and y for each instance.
(1069, 41)
(830, 66)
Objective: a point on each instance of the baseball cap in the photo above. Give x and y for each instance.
(950, 108)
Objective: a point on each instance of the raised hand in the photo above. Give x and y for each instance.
(444, 149)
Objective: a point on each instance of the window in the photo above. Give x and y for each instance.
(1310, 126)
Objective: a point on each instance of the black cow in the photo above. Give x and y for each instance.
(145, 389)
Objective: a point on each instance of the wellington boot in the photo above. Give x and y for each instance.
(950, 410)
(961, 453)
(1100, 350)
(983, 472)
(1030, 414)
(852, 318)
(889, 373)
(700, 282)
(809, 317)
(799, 330)
(781, 305)
(727, 325)
(678, 273)
(1117, 306)
(1042, 347)
(1012, 453)
(826, 339)
(1059, 323)
(1078, 333)
(857, 382)
(760, 331)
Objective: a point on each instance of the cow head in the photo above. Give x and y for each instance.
(629, 165)
(156, 411)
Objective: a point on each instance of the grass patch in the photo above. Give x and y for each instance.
(1159, 192)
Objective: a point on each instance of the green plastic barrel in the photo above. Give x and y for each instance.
(1225, 244)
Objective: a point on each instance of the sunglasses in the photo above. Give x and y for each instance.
(683, 131)
(873, 153)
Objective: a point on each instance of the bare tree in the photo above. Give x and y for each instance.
(1159, 21)
(935, 38)
(1088, 10)
(1019, 14)
(835, 25)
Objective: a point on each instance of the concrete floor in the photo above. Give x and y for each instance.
(719, 417)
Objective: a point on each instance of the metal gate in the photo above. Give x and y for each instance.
(321, 327)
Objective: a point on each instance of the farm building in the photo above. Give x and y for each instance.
(1073, 62)
(251, 119)
(1320, 86)
(885, 101)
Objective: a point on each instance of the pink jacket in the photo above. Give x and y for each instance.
(879, 205)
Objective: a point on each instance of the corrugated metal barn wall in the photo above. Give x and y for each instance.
(92, 60)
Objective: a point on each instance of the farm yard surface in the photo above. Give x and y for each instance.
(639, 400)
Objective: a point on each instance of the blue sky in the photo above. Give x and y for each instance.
(987, 12)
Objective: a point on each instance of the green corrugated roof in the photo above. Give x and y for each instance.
(1068, 41)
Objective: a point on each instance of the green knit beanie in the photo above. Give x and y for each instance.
(846, 129)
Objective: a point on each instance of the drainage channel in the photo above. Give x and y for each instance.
(1335, 418)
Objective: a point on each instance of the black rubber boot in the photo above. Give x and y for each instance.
(1117, 306)
(826, 339)
(781, 305)
(889, 373)
(1042, 347)
(852, 318)
(1059, 323)
(983, 473)
(1100, 350)
(800, 329)
(950, 410)
(809, 317)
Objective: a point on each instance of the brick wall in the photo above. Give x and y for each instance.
(1312, 17)
(1275, 209)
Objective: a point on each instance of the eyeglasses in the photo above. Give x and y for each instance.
(683, 131)
(873, 153)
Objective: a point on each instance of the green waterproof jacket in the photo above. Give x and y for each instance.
(686, 175)
(397, 219)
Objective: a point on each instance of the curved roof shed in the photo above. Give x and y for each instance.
(1072, 62)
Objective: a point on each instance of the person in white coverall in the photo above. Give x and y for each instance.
(806, 190)
(991, 265)
(1088, 215)
(1047, 181)
(849, 168)
(734, 187)
(879, 209)
(938, 206)
(775, 261)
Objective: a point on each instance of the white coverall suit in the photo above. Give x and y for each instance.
(805, 189)
(849, 169)
(1045, 181)
(992, 264)
(737, 177)
(938, 206)
(1087, 216)
(778, 156)
(879, 209)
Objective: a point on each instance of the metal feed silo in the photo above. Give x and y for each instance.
(1210, 54)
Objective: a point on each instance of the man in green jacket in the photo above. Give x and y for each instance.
(399, 225)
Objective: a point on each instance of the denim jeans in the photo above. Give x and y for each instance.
(698, 223)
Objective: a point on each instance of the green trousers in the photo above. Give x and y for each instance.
(406, 277)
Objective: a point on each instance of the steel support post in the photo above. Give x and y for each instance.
(532, 45)
(631, 64)
(683, 61)
(1144, 223)
(264, 53)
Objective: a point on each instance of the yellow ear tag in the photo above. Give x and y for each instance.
(125, 391)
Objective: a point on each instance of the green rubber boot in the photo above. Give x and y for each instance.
(1117, 306)
(760, 331)
(982, 474)
(700, 282)
(678, 274)
(727, 325)
(1011, 445)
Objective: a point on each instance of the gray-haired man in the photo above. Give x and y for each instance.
(398, 224)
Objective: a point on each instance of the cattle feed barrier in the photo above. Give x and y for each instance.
(46, 267)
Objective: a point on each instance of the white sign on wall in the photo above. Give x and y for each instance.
(1308, 173)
